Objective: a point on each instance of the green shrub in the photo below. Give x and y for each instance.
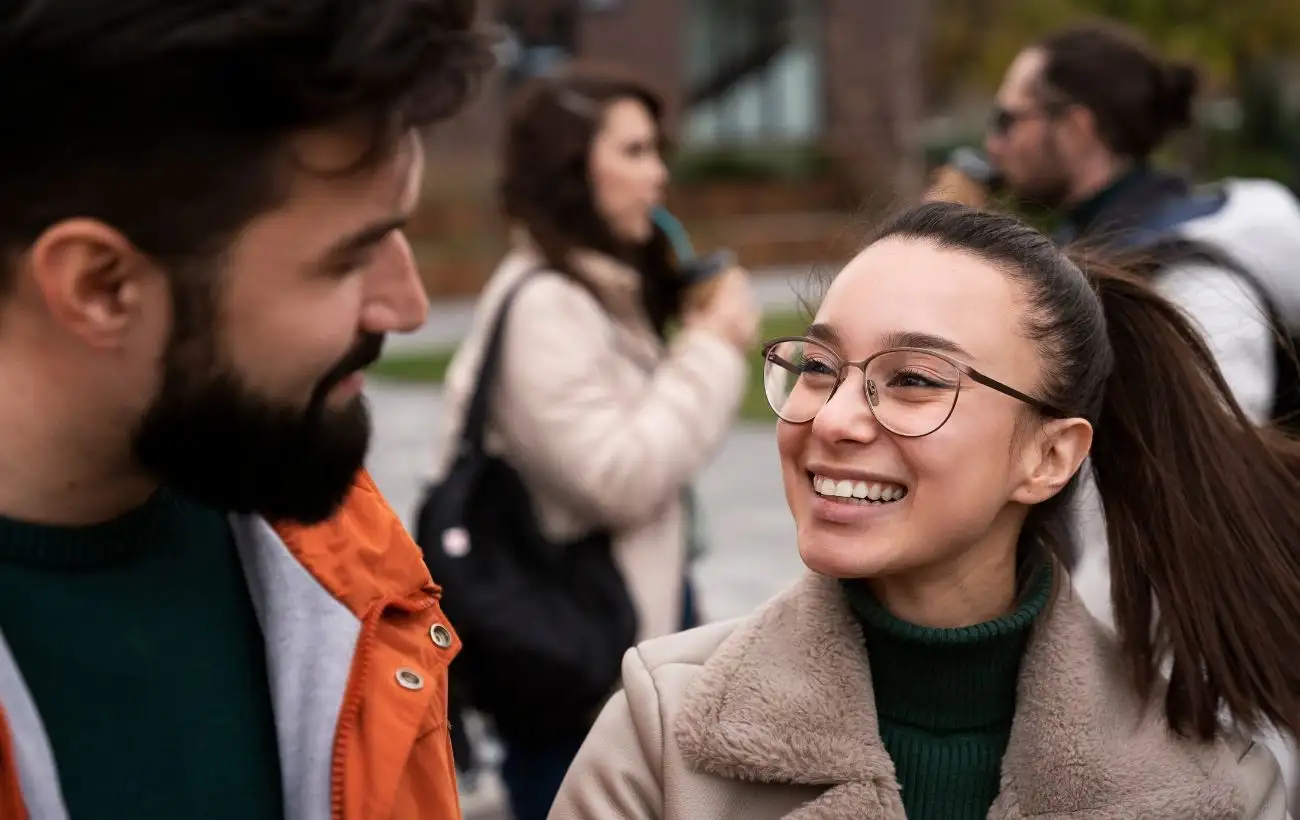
(751, 164)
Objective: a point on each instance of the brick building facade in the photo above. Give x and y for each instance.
(643, 35)
(814, 91)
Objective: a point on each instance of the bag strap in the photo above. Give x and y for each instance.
(1176, 250)
(475, 426)
(1173, 215)
(1286, 359)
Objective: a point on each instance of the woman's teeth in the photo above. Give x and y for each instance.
(866, 492)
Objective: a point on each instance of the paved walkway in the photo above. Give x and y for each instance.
(753, 554)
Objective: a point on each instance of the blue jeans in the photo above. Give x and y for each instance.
(532, 773)
(690, 616)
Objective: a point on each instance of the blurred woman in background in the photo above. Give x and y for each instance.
(606, 417)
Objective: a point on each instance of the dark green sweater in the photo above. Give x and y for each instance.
(946, 698)
(138, 641)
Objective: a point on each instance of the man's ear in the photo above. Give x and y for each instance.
(89, 277)
(1078, 125)
(1052, 457)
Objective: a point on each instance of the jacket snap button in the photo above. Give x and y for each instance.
(409, 679)
(441, 636)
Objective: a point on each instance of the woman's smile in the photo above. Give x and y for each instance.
(843, 499)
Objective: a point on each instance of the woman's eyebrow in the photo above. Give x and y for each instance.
(822, 332)
(914, 338)
(828, 335)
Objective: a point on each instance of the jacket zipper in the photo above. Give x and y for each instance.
(352, 703)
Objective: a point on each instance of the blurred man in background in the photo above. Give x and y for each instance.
(206, 609)
(1077, 119)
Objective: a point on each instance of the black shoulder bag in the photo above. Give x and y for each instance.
(544, 626)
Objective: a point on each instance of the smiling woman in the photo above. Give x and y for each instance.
(935, 663)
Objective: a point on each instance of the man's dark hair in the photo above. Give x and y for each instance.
(1136, 98)
(168, 119)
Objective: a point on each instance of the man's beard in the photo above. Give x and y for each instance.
(1048, 191)
(215, 440)
(1048, 185)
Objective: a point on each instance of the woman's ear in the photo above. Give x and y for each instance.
(1051, 458)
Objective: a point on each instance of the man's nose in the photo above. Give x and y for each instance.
(395, 300)
(994, 145)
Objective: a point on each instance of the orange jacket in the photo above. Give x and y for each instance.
(386, 751)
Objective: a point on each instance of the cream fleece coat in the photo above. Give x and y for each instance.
(605, 423)
(773, 716)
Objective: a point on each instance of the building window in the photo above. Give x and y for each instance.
(539, 38)
(758, 65)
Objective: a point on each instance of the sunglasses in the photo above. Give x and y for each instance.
(1002, 120)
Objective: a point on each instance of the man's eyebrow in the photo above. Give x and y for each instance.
(367, 236)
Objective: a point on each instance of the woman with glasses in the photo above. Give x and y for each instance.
(935, 662)
(605, 418)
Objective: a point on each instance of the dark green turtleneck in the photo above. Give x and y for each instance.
(946, 698)
(138, 641)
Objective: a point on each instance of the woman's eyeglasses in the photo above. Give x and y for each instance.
(911, 391)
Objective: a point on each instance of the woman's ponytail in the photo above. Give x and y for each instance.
(1203, 522)
(1202, 508)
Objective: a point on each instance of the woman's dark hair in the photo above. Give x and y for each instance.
(1136, 98)
(1202, 508)
(170, 120)
(546, 184)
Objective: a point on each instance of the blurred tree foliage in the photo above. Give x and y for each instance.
(974, 40)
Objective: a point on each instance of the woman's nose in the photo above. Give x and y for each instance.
(659, 173)
(846, 416)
